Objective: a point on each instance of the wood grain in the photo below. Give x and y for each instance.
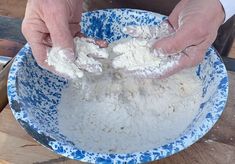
(217, 147)
(13, 8)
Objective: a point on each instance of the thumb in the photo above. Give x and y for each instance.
(178, 41)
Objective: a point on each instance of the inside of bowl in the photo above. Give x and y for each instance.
(215, 84)
(107, 25)
(40, 91)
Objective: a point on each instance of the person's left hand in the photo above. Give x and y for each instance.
(193, 26)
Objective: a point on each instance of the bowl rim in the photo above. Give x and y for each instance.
(138, 157)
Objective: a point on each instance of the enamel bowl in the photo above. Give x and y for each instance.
(34, 93)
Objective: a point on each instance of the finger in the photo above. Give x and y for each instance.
(47, 40)
(58, 26)
(148, 32)
(40, 55)
(174, 16)
(35, 39)
(75, 29)
(102, 43)
(184, 37)
(195, 56)
(154, 71)
(63, 66)
(137, 31)
(80, 35)
(99, 53)
(92, 67)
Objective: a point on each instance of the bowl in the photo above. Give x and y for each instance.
(34, 93)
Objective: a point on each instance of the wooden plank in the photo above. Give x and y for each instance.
(224, 130)
(16, 146)
(13, 8)
(17, 150)
(10, 126)
(4, 162)
(11, 30)
(203, 152)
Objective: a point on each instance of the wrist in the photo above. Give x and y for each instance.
(220, 12)
(228, 7)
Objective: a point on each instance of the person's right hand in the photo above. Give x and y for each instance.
(51, 23)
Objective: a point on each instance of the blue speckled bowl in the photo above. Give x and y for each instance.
(34, 93)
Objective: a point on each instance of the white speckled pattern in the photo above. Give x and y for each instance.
(34, 93)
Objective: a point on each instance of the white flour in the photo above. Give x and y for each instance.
(135, 54)
(85, 50)
(113, 114)
(130, 54)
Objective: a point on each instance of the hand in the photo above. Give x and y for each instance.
(195, 24)
(87, 50)
(135, 56)
(51, 23)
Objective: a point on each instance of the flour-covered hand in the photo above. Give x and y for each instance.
(196, 23)
(139, 58)
(87, 51)
(51, 23)
(134, 57)
(192, 28)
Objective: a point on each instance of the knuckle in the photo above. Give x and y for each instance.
(196, 59)
(200, 31)
(25, 28)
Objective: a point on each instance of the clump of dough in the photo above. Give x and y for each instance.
(85, 52)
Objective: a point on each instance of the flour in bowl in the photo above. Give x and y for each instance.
(136, 54)
(85, 51)
(112, 113)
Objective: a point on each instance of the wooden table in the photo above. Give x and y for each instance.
(217, 147)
